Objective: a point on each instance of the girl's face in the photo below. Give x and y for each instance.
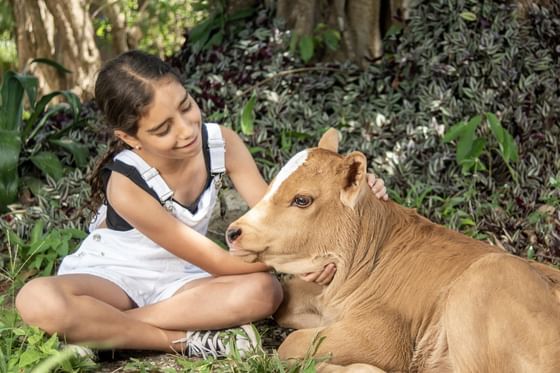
(171, 127)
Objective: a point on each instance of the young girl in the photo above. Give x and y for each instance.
(146, 277)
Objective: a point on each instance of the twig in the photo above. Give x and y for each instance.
(287, 72)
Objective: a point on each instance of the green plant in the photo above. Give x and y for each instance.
(416, 195)
(19, 129)
(247, 117)
(470, 147)
(322, 37)
(211, 31)
(41, 252)
(26, 349)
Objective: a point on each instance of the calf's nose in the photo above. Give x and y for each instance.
(232, 234)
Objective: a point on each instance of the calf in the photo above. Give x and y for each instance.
(408, 294)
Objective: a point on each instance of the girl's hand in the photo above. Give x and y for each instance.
(323, 277)
(377, 186)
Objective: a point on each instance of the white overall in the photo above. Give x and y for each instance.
(144, 270)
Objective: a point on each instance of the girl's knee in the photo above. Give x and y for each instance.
(41, 303)
(265, 290)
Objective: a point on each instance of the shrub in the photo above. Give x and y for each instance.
(454, 60)
(23, 136)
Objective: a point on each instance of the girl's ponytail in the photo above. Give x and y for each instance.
(95, 179)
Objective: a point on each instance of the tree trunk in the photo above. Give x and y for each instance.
(117, 20)
(123, 37)
(60, 30)
(361, 23)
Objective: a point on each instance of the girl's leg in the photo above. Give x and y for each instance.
(215, 303)
(86, 308)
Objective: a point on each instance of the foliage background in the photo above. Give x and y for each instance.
(453, 60)
(443, 68)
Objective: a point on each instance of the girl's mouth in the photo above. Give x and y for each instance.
(187, 145)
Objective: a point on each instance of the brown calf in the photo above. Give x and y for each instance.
(408, 295)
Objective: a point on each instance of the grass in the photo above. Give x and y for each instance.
(28, 349)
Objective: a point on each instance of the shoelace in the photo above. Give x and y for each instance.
(206, 344)
(217, 342)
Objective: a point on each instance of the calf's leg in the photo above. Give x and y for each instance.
(377, 341)
(352, 368)
(299, 307)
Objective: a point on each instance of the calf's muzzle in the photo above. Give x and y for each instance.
(232, 234)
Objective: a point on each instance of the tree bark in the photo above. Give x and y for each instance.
(117, 20)
(60, 30)
(361, 23)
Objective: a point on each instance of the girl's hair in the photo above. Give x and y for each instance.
(124, 89)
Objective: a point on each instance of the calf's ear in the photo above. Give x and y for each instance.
(329, 140)
(354, 173)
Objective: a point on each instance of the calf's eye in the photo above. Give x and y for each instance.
(302, 201)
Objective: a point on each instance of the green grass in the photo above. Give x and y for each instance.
(28, 349)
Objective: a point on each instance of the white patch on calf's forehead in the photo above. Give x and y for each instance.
(293, 164)
(255, 215)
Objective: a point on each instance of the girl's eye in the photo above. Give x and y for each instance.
(302, 201)
(186, 108)
(164, 132)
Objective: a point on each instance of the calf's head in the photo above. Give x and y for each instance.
(307, 217)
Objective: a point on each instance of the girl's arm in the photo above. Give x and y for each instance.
(146, 214)
(242, 170)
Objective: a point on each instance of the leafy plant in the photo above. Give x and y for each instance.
(248, 116)
(470, 147)
(19, 129)
(25, 348)
(397, 110)
(211, 31)
(323, 37)
(41, 252)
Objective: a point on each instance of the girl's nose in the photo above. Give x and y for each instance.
(187, 128)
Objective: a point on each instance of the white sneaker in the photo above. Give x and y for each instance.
(220, 343)
(81, 351)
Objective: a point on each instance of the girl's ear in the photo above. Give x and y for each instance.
(127, 139)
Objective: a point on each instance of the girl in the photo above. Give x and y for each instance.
(146, 273)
